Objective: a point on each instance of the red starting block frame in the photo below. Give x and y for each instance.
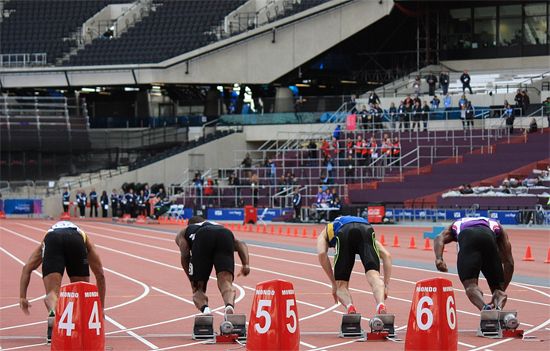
(227, 338)
(377, 336)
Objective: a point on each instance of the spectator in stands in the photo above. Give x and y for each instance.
(209, 191)
(130, 202)
(533, 127)
(325, 148)
(392, 115)
(350, 169)
(312, 151)
(431, 79)
(546, 105)
(266, 163)
(416, 85)
(447, 101)
(336, 132)
(81, 200)
(402, 113)
(462, 102)
(255, 185)
(298, 108)
(509, 116)
(328, 162)
(465, 189)
(466, 80)
(93, 203)
(147, 196)
(373, 98)
(66, 200)
(114, 203)
(352, 104)
(372, 150)
(396, 150)
(408, 100)
(246, 164)
(425, 115)
(444, 82)
(518, 99)
(140, 204)
(198, 182)
(385, 149)
(469, 115)
(297, 204)
(416, 115)
(435, 102)
(104, 202)
(273, 172)
(525, 102)
(334, 148)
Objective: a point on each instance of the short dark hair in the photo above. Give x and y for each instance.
(196, 219)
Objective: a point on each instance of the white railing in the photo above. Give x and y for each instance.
(24, 60)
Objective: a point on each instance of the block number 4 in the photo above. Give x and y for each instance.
(421, 311)
(66, 320)
(262, 312)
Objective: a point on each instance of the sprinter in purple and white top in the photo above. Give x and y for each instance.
(483, 246)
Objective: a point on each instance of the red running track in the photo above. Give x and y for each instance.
(149, 300)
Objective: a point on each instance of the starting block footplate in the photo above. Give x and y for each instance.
(203, 328)
(351, 326)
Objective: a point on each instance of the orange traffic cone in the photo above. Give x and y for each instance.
(304, 233)
(528, 254)
(3, 215)
(412, 243)
(395, 241)
(382, 240)
(547, 257)
(295, 231)
(280, 231)
(427, 244)
(314, 233)
(287, 231)
(272, 229)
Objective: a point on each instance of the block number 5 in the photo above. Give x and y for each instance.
(262, 312)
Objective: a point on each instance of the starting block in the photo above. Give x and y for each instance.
(234, 324)
(382, 323)
(351, 326)
(203, 328)
(497, 324)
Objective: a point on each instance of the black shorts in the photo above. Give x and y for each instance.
(214, 246)
(478, 252)
(65, 249)
(355, 238)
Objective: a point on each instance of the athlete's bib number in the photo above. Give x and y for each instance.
(66, 320)
(262, 312)
(425, 317)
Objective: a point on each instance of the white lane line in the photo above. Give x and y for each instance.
(142, 340)
(308, 345)
(467, 345)
(17, 305)
(335, 345)
(24, 346)
(540, 326)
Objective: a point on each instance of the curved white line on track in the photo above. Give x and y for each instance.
(24, 347)
(17, 305)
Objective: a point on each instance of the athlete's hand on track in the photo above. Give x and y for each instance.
(24, 305)
(441, 265)
(245, 270)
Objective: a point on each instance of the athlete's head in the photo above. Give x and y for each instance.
(196, 219)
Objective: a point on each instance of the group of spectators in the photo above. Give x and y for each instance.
(132, 200)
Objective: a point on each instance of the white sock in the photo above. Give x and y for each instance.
(380, 304)
(207, 310)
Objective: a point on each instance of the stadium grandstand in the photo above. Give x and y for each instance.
(131, 117)
(228, 103)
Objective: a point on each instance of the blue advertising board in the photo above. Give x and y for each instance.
(237, 214)
(22, 206)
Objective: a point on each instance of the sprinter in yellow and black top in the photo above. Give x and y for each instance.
(350, 236)
(65, 246)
